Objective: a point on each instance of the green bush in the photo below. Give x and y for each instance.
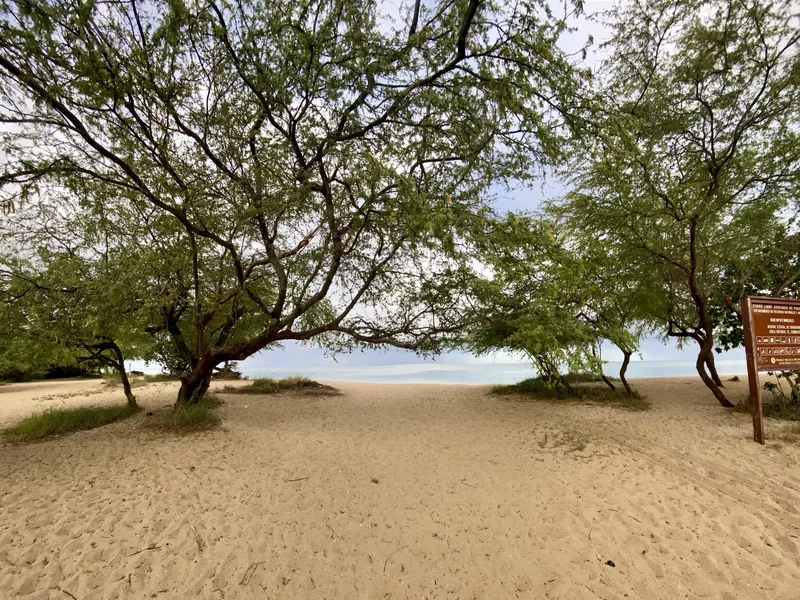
(539, 389)
(65, 420)
(267, 385)
(585, 378)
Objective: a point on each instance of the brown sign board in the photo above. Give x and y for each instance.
(776, 331)
(771, 342)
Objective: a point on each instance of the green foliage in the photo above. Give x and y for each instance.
(53, 422)
(554, 296)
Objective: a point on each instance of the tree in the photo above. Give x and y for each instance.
(322, 168)
(555, 298)
(80, 286)
(696, 159)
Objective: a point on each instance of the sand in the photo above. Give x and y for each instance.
(403, 491)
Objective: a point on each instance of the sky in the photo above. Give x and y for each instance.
(295, 355)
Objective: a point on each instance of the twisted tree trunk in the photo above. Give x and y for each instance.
(707, 344)
(123, 376)
(712, 369)
(623, 369)
(194, 385)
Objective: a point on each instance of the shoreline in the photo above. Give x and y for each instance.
(246, 377)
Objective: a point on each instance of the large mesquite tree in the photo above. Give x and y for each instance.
(323, 165)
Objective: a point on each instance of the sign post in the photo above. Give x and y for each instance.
(771, 342)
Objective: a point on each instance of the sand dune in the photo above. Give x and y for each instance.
(403, 491)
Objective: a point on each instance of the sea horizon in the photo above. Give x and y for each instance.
(476, 373)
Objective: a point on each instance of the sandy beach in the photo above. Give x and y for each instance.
(402, 491)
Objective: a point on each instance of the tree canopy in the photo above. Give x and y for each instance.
(694, 168)
(318, 169)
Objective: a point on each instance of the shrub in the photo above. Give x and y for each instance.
(65, 420)
(267, 385)
(542, 390)
(585, 378)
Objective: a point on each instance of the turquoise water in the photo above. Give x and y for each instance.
(476, 374)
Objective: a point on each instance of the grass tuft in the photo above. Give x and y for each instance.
(539, 389)
(157, 377)
(187, 419)
(54, 422)
(267, 385)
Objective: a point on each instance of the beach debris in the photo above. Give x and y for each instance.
(67, 593)
(734, 378)
(386, 562)
(298, 479)
(610, 563)
(153, 547)
(197, 538)
(248, 574)
(374, 480)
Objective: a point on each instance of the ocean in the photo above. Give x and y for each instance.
(475, 374)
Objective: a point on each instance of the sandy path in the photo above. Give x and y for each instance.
(476, 497)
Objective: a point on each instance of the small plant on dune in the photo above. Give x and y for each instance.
(262, 385)
(267, 385)
(157, 377)
(586, 377)
(540, 389)
(187, 418)
(54, 422)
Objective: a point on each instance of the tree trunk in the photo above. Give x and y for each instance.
(603, 375)
(712, 369)
(701, 305)
(563, 380)
(126, 386)
(701, 370)
(624, 369)
(194, 386)
(123, 376)
(608, 381)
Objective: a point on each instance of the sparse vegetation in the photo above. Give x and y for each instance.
(187, 418)
(267, 385)
(791, 434)
(539, 389)
(586, 377)
(140, 380)
(774, 410)
(67, 420)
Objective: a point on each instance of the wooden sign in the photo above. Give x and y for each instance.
(771, 342)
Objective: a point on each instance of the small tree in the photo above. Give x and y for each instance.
(83, 283)
(549, 296)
